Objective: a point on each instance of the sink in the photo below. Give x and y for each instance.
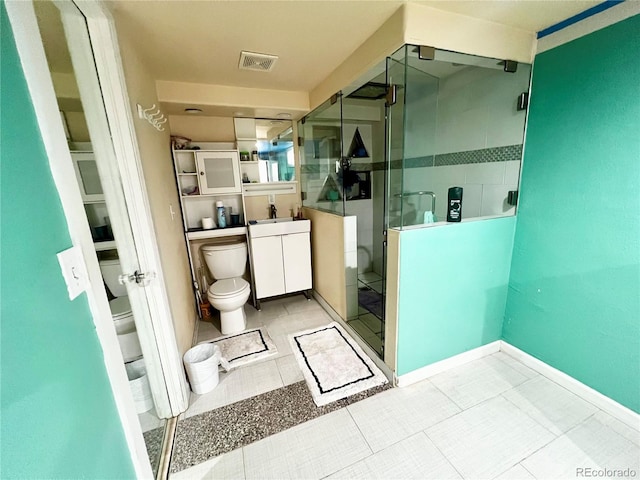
(274, 220)
(278, 226)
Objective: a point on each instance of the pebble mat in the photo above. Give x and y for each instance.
(153, 441)
(224, 429)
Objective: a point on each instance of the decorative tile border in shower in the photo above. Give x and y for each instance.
(485, 155)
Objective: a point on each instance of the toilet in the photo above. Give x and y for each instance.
(121, 311)
(226, 262)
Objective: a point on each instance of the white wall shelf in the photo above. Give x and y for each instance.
(102, 246)
(276, 188)
(216, 233)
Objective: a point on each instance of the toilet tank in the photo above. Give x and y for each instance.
(110, 272)
(225, 260)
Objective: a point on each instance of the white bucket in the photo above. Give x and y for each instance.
(201, 363)
(139, 385)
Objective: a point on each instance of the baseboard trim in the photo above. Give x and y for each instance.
(604, 403)
(608, 405)
(451, 362)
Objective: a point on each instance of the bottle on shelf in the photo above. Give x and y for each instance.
(222, 221)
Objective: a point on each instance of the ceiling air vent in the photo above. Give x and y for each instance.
(257, 61)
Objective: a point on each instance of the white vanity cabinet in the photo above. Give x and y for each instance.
(280, 257)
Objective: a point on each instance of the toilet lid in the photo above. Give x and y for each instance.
(228, 287)
(120, 307)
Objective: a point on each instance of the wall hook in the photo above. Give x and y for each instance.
(156, 119)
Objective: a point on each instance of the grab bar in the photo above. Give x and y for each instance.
(420, 193)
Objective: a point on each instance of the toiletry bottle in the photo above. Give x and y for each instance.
(227, 214)
(222, 221)
(454, 205)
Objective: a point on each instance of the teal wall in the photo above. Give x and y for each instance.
(453, 289)
(59, 418)
(574, 292)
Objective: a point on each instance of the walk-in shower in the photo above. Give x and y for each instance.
(386, 150)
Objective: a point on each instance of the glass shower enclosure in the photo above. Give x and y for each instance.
(387, 149)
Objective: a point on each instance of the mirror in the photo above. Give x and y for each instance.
(266, 149)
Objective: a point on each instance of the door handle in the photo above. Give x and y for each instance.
(142, 279)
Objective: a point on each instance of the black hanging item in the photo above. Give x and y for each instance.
(349, 177)
(523, 101)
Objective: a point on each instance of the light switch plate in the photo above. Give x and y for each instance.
(74, 271)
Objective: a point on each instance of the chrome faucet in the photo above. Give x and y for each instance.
(273, 211)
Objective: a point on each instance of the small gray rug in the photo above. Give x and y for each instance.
(245, 347)
(333, 364)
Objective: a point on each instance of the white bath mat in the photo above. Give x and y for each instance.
(333, 364)
(245, 347)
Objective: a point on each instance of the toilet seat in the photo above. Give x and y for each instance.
(229, 287)
(120, 307)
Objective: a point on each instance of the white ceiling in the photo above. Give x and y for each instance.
(200, 41)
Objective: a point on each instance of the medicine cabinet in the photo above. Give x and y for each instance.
(86, 169)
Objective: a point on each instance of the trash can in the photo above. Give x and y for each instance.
(201, 363)
(139, 385)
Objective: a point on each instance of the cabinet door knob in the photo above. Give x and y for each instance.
(201, 173)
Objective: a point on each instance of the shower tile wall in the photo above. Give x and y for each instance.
(351, 264)
(369, 212)
(485, 186)
(478, 142)
(363, 209)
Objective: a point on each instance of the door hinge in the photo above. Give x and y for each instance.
(300, 141)
(142, 279)
(391, 95)
(426, 53)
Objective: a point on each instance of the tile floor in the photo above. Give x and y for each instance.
(490, 418)
(281, 317)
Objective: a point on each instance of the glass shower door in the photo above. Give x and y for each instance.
(410, 199)
(320, 160)
(395, 119)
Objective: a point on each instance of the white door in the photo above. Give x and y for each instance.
(296, 250)
(96, 63)
(266, 261)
